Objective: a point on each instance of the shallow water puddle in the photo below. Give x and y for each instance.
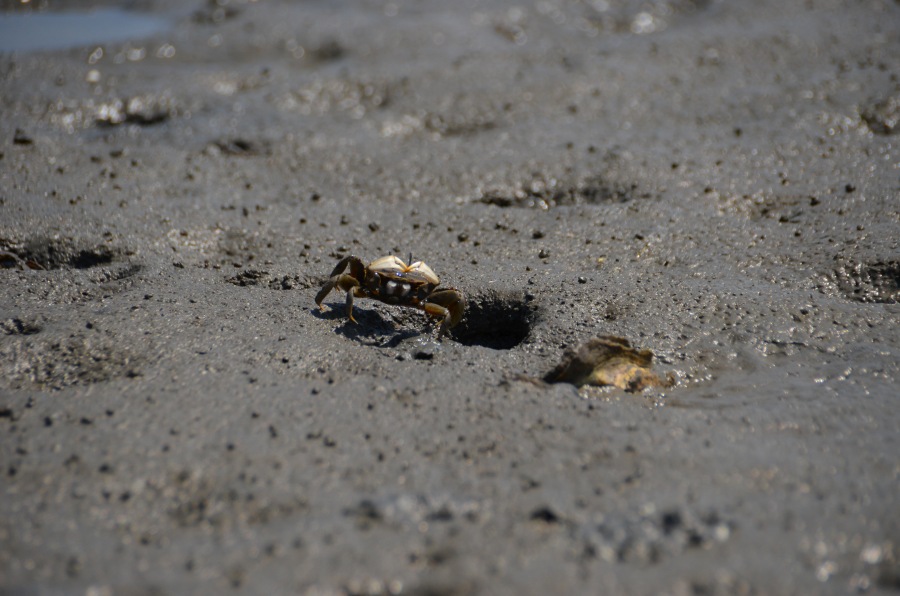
(59, 30)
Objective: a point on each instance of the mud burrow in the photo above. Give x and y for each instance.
(496, 320)
(61, 253)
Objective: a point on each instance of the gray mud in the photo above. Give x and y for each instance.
(716, 181)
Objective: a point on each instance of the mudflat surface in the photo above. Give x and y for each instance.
(716, 181)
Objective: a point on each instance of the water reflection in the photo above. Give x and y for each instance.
(21, 32)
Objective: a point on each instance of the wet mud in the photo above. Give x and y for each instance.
(712, 182)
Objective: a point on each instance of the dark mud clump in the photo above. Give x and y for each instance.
(877, 282)
(242, 147)
(141, 111)
(883, 118)
(258, 277)
(544, 194)
(17, 326)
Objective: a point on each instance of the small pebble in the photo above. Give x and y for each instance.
(582, 279)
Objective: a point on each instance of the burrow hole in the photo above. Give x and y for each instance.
(496, 320)
(62, 253)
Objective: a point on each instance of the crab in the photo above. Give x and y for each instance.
(390, 280)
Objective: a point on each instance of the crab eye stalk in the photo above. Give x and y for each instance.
(425, 271)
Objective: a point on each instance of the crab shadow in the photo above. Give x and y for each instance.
(371, 327)
(498, 320)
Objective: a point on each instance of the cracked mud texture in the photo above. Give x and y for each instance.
(716, 181)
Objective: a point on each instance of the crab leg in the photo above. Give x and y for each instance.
(446, 304)
(344, 282)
